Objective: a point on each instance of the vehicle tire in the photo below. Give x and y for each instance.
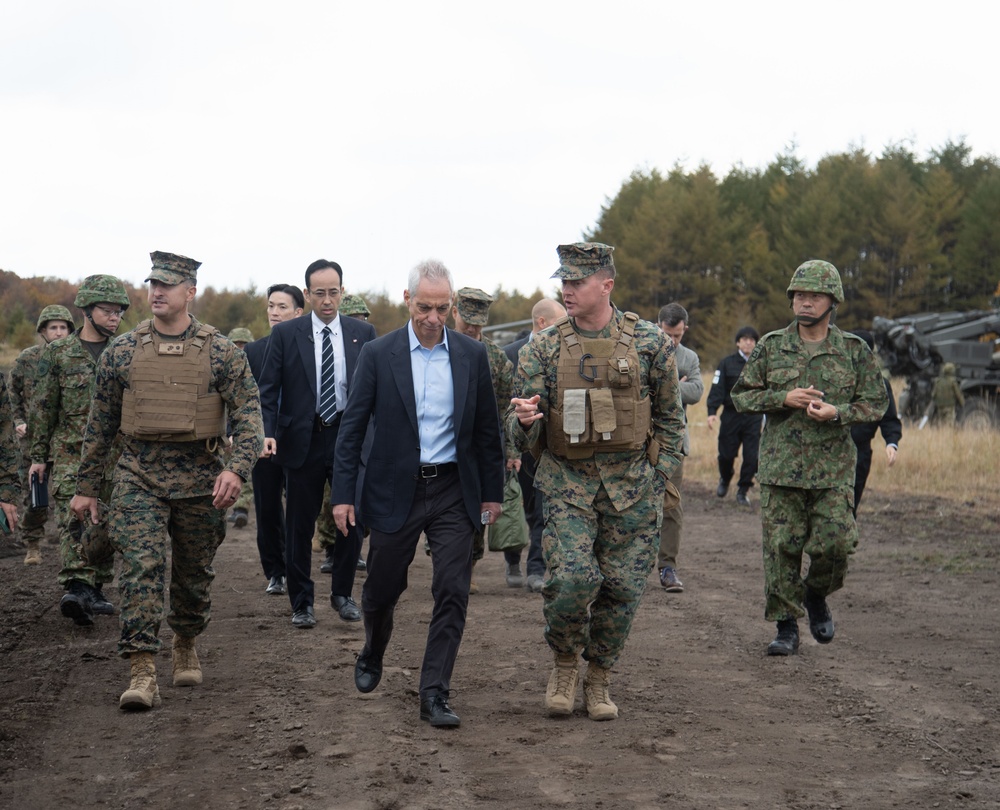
(979, 413)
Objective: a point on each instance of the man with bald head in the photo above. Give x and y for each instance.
(544, 313)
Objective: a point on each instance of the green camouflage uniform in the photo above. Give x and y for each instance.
(807, 467)
(22, 391)
(162, 487)
(947, 396)
(64, 390)
(502, 374)
(602, 514)
(9, 489)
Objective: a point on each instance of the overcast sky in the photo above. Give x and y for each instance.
(256, 137)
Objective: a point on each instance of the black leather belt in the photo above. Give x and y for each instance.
(435, 470)
(319, 425)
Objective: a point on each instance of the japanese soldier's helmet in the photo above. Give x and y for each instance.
(101, 289)
(817, 276)
(54, 312)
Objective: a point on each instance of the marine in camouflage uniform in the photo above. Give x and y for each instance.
(64, 389)
(602, 511)
(162, 484)
(813, 382)
(471, 313)
(54, 322)
(9, 489)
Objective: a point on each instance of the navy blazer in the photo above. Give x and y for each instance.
(288, 383)
(383, 390)
(256, 352)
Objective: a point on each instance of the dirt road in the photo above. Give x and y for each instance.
(900, 711)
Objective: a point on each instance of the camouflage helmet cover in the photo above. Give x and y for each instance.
(241, 335)
(54, 312)
(101, 289)
(353, 305)
(817, 276)
(948, 369)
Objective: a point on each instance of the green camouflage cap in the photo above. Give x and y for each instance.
(171, 268)
(473, 305)
(817, 276)
(241, 335)
(582, 259)
(101, 289)
(54, 312)
(353, 305)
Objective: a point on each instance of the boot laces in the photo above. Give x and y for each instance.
(565, 680)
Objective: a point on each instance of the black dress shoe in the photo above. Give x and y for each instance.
(362, 565)
(820, 618)
(435, 710)
(346, 607)
(787, 640)
(722, 489)
(327, 566)
(741, 497)
(304, 619)
(367, 670)
(276, 586)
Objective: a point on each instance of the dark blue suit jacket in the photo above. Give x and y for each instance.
(256, 352)
(383, 390)
(288, 383)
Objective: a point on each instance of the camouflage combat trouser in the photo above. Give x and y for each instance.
(597, 563)
(31, 522)
(140, 525)
(84, 549)
(817, 522)
(325, 526)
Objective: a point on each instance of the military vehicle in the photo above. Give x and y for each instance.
(916, 346)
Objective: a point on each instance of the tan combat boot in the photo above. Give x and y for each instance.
(34, 554)
(595, 693)
(142, 692)
(187, 668)
(561, 692)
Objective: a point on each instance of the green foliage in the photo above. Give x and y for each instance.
(907, 236)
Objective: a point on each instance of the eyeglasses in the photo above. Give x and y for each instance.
(324, 294)
(110, 313)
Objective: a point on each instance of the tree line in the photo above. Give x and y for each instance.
(22, 299)
(907, 235)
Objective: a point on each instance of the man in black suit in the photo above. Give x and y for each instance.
(307, 371)
(284, 302)
(544, 313)
(436, 466)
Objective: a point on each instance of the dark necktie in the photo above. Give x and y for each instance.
(327, 383)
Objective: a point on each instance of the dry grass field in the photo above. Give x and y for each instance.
(944, 462)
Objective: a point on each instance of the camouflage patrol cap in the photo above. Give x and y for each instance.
(583, 259)
(353, 305)
(817, 276)
(172, 268)
(101, 289)
(473, 305)
(54, 312)
(241, 335)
